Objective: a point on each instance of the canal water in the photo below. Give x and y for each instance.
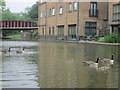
(57, 65)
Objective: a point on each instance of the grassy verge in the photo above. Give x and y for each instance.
(14, 36)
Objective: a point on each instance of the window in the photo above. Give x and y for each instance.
(90, 28)
(116, 12)
(93, 12)
(49, 30)
(75, 5)
(53, 11)
(53, 29)
(61, 30)
(70, 6)
(41, 14)
(61, 10)
(72, 31)
(43, 32)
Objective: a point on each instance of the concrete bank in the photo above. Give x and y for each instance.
(97, 43)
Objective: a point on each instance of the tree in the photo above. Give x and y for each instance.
(2, 4)
(33, 11)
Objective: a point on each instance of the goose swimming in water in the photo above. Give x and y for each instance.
(91, 63)
(20, 51)
(107, 61)
(6, 51)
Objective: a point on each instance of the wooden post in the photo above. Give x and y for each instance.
(20, 23)
(24, 24)
(28, 24)
(4, 23)
(10, 23)
(14, 23)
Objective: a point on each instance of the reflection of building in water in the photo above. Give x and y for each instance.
(60, 66)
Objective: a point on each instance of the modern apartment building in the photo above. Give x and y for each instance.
(72, 19)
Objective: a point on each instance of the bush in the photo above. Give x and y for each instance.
(114, 38)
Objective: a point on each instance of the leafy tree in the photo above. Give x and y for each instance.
(2, 4)
(33, 11)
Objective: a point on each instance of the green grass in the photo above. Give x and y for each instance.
(14, 36)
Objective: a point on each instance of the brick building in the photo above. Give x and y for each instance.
(114, 17)
(69, 20)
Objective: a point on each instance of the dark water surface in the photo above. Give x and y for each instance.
(57, 65)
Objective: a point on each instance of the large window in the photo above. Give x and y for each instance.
(61, 30)
(90, 28)
(93, 12)
(70, 7)
(116, 12)
(61, 10)
(72, 31)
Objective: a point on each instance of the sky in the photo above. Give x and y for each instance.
(17, 6)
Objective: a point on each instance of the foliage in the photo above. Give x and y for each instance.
(7, 15)
(10, 32)
(33, 11)
(2, 4)
(30, 14)
(34, 34)
(61, 38)
(96, 36)
(114, 38)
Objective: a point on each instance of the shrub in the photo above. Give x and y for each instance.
(91, 36)
(114, 38)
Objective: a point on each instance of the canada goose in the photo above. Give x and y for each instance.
(20, 51)
(6, 51)
(91, 63)
(107, 61)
